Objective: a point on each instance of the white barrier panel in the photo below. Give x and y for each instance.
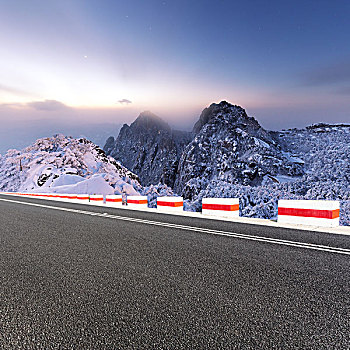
(139, 201)
(96, 198)
(309, 212)
(115, 200)
(227, 207)
(170, 203)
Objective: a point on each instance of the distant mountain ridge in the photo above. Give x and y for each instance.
(225, 143)
(229, 154)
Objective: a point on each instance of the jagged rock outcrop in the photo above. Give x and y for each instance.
(232, 147)
(149, 148)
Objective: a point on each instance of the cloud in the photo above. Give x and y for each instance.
(47, 105)
(14, 90)
(335, 73)
(124, 101)
(13, 105)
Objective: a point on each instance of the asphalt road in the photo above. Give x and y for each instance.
(71, 280)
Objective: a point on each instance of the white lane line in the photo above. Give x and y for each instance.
(196, 229)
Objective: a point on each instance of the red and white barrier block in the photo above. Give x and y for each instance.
(64, 196)
(113, 200)
(83, 197)
(137, 201)
(70, 196)
(96, 198)
(170, 203)
(309, 212)
(56, 196)
(227, 207)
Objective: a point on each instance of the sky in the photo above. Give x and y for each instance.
(102, 62)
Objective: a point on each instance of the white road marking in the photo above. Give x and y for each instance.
(196, 229)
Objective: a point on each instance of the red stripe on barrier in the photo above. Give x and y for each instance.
(82, 198)
(137, 201)
(310, 213)
(170, 204)
(96, 199)
(113, 200)
(225, 207)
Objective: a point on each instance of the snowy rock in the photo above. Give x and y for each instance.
(64, 164)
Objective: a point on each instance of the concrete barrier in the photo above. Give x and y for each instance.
(300, 212)
(96, 198)
(309, 212)
(114, 200)
(54, 196)
(170, 203)
(226, 207)
(62, 196)
(83, 197)
(137, 201)
(70, 196)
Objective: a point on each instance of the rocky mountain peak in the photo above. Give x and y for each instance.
(149, 121)
(230, 146)
(223, 110)
(150, 148)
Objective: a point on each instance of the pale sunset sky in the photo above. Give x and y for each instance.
(99, 63)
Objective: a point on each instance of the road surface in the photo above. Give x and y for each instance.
(75, 276)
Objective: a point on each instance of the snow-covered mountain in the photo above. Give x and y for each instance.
(323, 153)
(64, 164)
(232, 147)
(149, 148)
(231, 155)
(228, 154)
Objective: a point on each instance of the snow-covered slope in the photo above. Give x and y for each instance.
(65, 165)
